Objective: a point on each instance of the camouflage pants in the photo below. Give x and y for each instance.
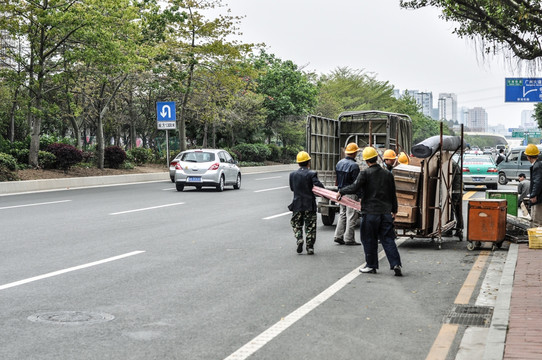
(307, 218)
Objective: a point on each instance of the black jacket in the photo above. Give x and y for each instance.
(301, 183)
(377, 186)
(536, 181)
(347, 171)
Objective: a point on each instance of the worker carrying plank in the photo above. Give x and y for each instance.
(378, 209)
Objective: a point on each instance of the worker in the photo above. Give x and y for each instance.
(390, 159)
(403, 158)
(347, 171)
(535, 190)
(378, 209)
(303, 205)
(457, 198)
(500, 157)
(523, 191)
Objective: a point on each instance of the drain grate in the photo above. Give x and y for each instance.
(469, 315)
(71, 317)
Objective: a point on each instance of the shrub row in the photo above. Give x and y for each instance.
(258, 153)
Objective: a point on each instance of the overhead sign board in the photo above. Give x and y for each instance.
(523, 90)
(165, 115)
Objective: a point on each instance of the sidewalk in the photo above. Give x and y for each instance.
(524, 336)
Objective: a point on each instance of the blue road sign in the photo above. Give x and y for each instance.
(523, 90)
(165, 111)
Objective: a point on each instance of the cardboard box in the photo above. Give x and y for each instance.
(407, 178)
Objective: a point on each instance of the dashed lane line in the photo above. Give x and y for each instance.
(36, 204)
(145, 209)
(271, 189)
(276, 216)
(64, 271)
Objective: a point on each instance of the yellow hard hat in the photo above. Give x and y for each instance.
(389, 155)
(403, 158)
(369, 153)
(352, 148)
(303, 156)
(532, 150)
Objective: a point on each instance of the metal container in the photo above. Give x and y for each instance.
(487, 220)
(510, 196)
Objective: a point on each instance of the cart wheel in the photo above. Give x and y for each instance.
(478, 244)
(499, 244)
(470, 245)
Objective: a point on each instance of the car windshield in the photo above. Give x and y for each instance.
(198, 156)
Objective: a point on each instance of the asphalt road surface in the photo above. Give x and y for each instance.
(142, 271)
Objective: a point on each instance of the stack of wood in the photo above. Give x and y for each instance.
(407, 182)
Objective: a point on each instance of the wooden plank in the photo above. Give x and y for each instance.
(332, 195)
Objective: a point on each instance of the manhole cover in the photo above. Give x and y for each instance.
(469, 315)
(71, 317)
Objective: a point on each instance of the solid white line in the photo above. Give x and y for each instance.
(269, 178)
(145, 209)
(60, 272)
(276, 216)
(277, 188)
(170, 189)
(36, 204)
(259, 341)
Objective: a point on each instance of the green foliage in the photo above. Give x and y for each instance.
(46, 160)
(114, 156)
(139, 156)
(275, 152)
(127, 165)
(252, 152)
(8, 162)
(46, 140)
(502, 26)
(66, 155)
(538, 114)
(21, 155)
(289, 152)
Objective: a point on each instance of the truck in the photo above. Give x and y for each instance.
(327, 138)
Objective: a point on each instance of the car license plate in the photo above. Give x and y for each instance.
(194, 179)
(478, 179)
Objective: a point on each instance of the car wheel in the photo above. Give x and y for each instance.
(502, 179)
(328, 219)
(180, 187)
(237, 184)
(220, 186)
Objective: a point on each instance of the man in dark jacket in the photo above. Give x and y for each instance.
(303, 205)
(535, 191)
(347, 171)
(500, 157)
(378, 209)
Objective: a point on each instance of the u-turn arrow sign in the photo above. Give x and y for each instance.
(165, 111)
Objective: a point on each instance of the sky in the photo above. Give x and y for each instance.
(411, 49)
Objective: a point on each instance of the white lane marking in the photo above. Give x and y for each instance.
(60, 272)
(268, 178)
(259, 341)
(170, 189)
(145, 209)
(276, 216)
(277, 188)
(36, 204)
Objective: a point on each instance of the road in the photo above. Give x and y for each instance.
(145, 272)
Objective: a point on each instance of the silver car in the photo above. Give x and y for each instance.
(206, 167)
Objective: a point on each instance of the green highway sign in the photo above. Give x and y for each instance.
(520, 134)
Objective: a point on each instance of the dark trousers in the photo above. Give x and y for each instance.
(373, 228)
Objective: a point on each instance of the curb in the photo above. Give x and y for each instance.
(18, 187)
(496, 337)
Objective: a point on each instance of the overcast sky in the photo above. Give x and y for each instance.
(412, 49)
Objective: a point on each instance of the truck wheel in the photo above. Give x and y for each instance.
(328, 219)
(502, 179)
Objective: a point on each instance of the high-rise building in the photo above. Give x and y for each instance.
(527, 120)
(477, 119)
(424, 99)
(447, 106)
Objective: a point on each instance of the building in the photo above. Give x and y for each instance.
(477, 120)
(447, 107)
(527, 120)
(424, 100)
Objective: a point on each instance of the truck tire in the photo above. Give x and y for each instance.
(503, 180)
(328, 220)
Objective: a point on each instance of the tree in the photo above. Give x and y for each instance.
(538, 114)
(502, 25)
(287, 91)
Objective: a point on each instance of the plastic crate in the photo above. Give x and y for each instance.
(535, 238)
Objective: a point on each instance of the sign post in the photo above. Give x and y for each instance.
(166, 119)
